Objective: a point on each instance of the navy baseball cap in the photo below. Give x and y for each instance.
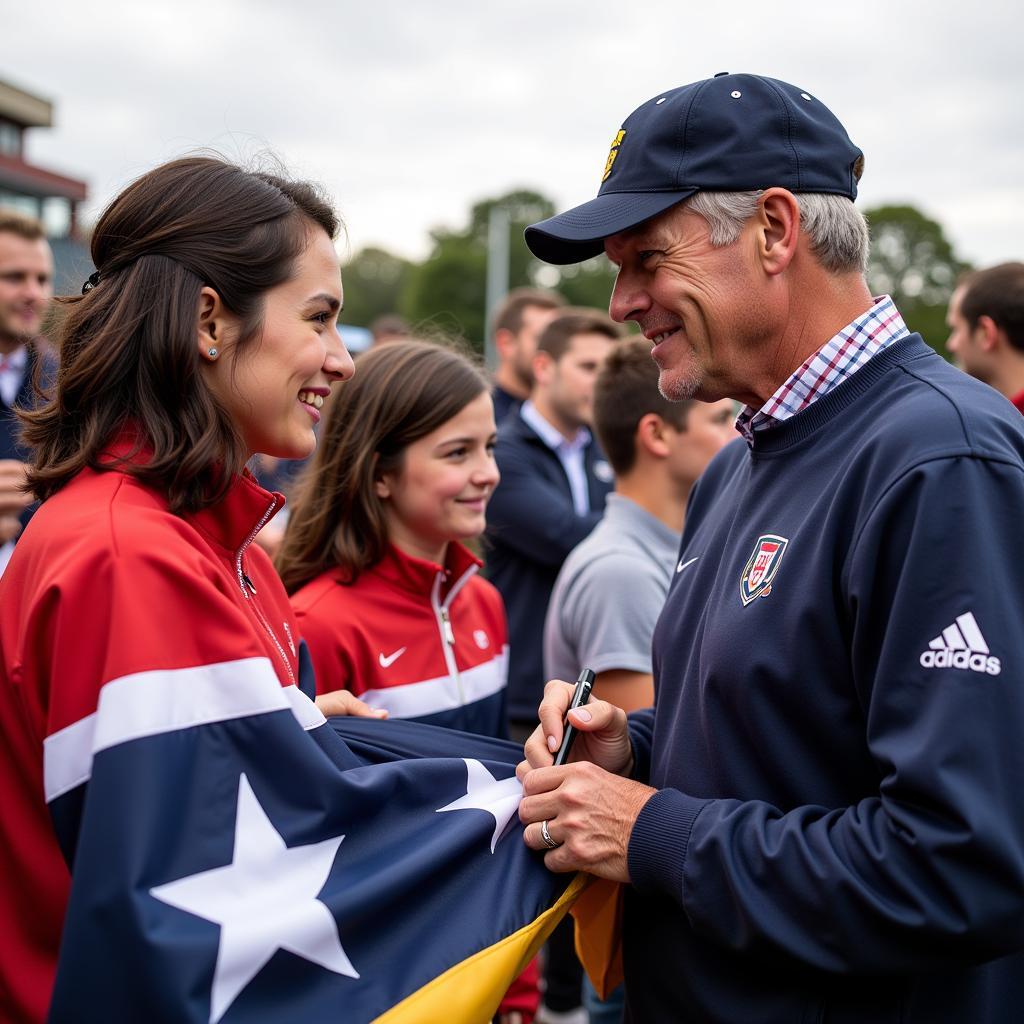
(730, 133)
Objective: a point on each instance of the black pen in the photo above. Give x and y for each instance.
(580, 696)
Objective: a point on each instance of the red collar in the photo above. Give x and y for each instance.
(234, 520)
(418, 574)
(1018, 400)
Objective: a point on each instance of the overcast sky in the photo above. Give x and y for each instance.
(408, 112)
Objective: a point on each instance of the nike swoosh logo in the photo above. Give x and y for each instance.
(389, 660)
(682, 565)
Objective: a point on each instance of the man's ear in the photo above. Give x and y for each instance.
(650, 435)
(989, 331)
(778, 229)
(543, 367)
(504, 342)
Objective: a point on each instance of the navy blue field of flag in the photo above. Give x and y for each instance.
(250, 869)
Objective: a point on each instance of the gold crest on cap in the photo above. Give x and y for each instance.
(612, 154)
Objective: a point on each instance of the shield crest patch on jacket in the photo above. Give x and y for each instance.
(761, 567)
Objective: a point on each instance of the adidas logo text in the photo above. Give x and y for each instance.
(961, 659)
(961, 645)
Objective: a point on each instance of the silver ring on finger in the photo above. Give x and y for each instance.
(546, 836)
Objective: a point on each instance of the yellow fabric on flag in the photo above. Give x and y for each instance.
(469, 992)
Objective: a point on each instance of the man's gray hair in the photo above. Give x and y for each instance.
(837, 230)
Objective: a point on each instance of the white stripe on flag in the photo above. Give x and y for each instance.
(159, 701)
(308, 714)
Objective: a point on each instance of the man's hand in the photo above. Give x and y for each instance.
(12, 479)
(341, 702)
(10, 527)
(589, 812)
(603, 736)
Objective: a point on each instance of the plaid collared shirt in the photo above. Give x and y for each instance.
(839, 358)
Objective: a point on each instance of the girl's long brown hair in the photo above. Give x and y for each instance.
(128, 352)
(401, 392)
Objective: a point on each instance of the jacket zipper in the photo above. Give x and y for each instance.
(444, 623)
(248, 588)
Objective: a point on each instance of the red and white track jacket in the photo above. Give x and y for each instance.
(427, 642)
(108, 587)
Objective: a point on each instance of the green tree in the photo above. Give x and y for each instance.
(446, 291)
(374, 281)
(913, 261)
(583, 284)
(449, 288)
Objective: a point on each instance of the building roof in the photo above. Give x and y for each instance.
(19, 176)
(24, 108)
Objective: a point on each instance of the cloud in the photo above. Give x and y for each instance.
(409, 112)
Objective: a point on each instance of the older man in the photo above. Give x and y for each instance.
(822, 819)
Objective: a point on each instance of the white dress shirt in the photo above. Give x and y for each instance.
(12, 372)
(570, 453)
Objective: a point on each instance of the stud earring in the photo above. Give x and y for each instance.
(212, 353)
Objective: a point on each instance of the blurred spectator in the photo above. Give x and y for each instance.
(517, 326)
(389, 327)
(986, 323)
(26, 287)
(554, 480)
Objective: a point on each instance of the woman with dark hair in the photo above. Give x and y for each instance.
(136, 603)
(386, 595)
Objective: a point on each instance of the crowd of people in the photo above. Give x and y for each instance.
(776, 525)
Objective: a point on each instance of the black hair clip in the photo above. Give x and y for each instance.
(94, 279)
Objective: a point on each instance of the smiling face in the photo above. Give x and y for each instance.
(699, 304)
(440, 491)
(275, 388)
(26, 287)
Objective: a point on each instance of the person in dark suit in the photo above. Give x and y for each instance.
(554, 480)
(26, 288)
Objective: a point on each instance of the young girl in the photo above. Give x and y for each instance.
(136, 605)
(386, 595)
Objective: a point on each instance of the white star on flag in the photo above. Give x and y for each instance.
(264, 900)
(498, 797)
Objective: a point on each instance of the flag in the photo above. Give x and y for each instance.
(237, 858)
